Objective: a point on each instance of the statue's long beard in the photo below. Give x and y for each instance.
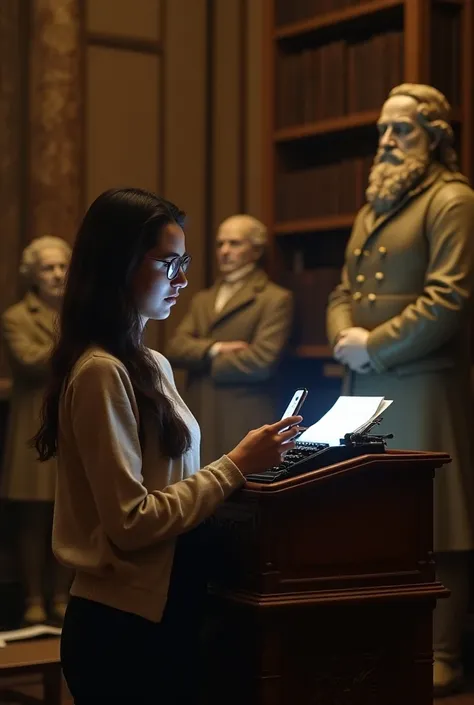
(392, 176)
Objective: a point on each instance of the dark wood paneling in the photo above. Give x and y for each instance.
(10, 153)
(227, 108)
(417, 19)
(467, 81)
(135, 19)
(113, 41)
(256, 92)
(185, 115)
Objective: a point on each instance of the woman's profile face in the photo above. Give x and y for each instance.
(155, 294)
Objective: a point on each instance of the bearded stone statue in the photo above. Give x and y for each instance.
(396, 169)
(399, 322)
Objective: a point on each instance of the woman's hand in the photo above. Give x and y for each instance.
(265, 446)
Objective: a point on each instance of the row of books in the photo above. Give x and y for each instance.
(287, 11)
(322, 190)
(337, 79)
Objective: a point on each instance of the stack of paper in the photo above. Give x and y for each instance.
(348, 415)
(33, 632)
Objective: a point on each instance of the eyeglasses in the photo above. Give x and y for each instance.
(175, 265)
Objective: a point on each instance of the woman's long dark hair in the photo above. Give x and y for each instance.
(98, 309)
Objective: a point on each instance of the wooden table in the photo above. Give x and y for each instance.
(38, 656)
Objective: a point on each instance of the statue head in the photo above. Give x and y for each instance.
(241, 240)
(44, 265)
(414, 131)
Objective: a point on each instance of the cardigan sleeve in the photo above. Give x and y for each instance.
(105, 420)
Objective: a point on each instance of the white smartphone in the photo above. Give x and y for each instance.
(297, 401)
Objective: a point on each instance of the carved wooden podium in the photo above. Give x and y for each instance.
(324, 587)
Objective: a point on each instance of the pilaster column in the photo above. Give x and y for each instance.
(55, 155)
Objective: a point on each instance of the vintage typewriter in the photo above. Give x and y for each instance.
(305, 457)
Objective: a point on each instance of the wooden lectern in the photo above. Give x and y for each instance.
(323, 587)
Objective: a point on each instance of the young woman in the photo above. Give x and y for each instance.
(129, 486)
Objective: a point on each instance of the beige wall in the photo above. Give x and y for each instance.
(173, 103)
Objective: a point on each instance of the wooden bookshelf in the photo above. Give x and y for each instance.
(329, 368)
(339, 124)
(315, 225)
(326, 127)
(338, 17)
(329, 66)
(313, 351)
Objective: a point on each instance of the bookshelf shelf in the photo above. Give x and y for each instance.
(324, 127)
(315, 225)
(340, 124)
(313, 351)
(337, 17)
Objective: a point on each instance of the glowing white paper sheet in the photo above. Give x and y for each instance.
(347, 415)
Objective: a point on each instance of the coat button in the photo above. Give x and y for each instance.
(366, 253)
(360, 278)
(379, 276)
(372, 298)
(357, 296)
(357, 252)
(382, 250)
